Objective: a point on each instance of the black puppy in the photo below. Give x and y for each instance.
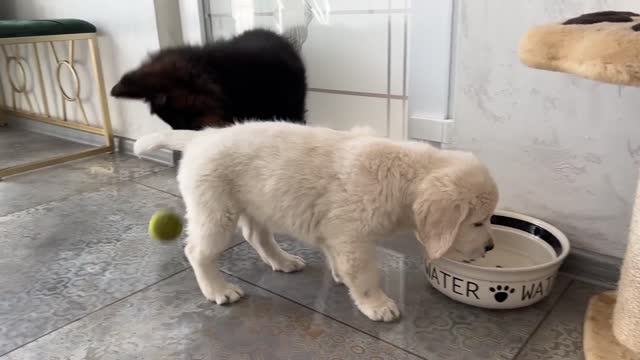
(256, 75)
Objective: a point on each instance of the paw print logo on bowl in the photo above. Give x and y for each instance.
(501, 293)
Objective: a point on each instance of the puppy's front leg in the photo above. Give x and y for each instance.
(331, 262)
(209, 234)
(355, 263)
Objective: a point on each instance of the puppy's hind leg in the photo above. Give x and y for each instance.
(210, 232)
(355, 263)
(263, 242)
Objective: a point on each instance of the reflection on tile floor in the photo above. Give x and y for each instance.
(171, 320)
(81, 280)
(42, 186)
(19, 146)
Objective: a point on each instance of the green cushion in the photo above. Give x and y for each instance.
(19, 28)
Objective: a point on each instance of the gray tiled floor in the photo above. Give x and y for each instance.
(68, 264)
(81, 280)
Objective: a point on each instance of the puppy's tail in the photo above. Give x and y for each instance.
(172, 139)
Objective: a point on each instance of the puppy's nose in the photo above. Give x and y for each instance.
(488, 248)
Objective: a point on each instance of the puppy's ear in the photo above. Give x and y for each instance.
(438, 216)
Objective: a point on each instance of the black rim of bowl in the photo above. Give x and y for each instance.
(539, 232)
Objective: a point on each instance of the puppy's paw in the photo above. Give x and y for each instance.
(225, 294)
(287, 263)
(380, 308)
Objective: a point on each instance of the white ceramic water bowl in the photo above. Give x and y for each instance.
(518, 272)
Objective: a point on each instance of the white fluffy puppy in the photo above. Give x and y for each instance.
(340, 191)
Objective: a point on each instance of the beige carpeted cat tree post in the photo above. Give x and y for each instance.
(603, 46)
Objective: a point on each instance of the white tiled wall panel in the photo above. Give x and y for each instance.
(223, 27)
(364, 5)
(266, 22)
(397, 111)
(225, 6)
(344, 112)
(220, 6)
(401, 4)
(355, 5)
(349, 54)
(355, 46)
(397, 52)
(259, 6)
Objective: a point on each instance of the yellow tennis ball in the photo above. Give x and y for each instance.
(165, 225)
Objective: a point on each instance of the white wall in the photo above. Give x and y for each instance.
(562, 148)
(127, 33)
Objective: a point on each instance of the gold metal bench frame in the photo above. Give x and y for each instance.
(10, 49)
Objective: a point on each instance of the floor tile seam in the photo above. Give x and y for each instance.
(153, 188)
(543, 319)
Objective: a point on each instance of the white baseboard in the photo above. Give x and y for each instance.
(432, 130)
(123, 144)
(591, 267)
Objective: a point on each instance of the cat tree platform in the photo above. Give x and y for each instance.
(602, 46)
